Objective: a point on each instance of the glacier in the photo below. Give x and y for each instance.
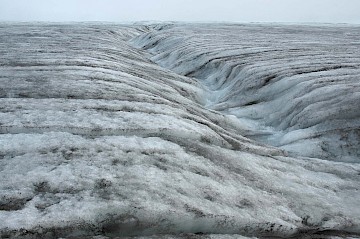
(172, 130)
(253, 72)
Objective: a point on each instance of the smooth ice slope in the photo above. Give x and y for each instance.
(97, 140)
(297, 87)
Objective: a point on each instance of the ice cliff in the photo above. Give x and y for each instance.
(179, 130)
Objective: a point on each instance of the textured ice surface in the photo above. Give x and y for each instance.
(98, 140)
(299, 85)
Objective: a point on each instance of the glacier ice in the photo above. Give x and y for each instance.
(179, 131)
(254, 71)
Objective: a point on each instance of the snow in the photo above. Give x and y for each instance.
(99, 141)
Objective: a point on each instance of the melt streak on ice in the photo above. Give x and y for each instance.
(179, 130)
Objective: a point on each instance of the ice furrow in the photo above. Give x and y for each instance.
(287, 84)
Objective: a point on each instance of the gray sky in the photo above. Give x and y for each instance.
(334, 11)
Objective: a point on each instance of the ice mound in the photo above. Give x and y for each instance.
(98, 141)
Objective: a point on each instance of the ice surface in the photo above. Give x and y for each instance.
(296, 83)
(99, 141)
